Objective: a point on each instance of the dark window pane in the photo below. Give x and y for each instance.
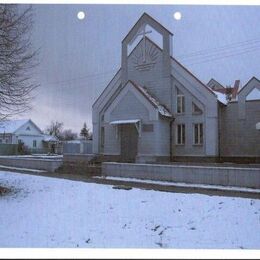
(183, 134)
(196, 134)
(201, 133)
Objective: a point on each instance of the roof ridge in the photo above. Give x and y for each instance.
(161, 108)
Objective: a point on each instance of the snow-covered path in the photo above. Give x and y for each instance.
(48, 212)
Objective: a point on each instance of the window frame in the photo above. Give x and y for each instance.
(182, 136)
(34, 143)
(200, 134)
(181, 100)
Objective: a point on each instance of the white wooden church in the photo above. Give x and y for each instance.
(154, 109)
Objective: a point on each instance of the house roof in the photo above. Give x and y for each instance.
(11, 126)
(221, 97)
(215, 81)
(50, 138)
(161, 109)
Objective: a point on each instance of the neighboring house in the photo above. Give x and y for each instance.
(27, 132)
(230, 93)
(154, 109)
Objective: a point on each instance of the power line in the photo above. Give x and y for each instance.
(227, 56)
(209, 58)
(227, 46)
(221, 53)
(80, 78)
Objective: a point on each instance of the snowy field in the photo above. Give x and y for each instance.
(48, 212)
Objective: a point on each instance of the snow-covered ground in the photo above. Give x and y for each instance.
(49, 212)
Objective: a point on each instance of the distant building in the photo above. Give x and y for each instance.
(27, 132)
(155, 109)
(229, 92)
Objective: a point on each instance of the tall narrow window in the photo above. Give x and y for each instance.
(180, 134)
(180, 102)
(34, 143)
(198, 133)
(102, 137)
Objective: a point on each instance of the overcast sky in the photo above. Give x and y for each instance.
(79, 57)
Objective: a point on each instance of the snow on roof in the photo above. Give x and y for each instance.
(221, 97)
(161, 109)
(128, 121)
(50, 138)
(10, 126)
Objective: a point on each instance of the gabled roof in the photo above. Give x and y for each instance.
(215, 81)
(161, 109)
(11, 126)
(148, 17)
(216, 86)
(253, 78)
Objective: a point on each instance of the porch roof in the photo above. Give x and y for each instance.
(127, 121)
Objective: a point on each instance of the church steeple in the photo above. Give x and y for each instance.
(145, 59)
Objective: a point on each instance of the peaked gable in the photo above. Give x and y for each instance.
(146, 19)
(246, 86)
(216, 86)
(10, 126)
(29, 128)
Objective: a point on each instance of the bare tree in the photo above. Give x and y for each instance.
(55, 129)
(17, 59)
(67, 135)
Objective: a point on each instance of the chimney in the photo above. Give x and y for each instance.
(228, 92)
(235, 89)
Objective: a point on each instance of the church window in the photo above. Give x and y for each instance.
(102, 137)
(180, 134)
(147, 127)
(28, 128)
(196, 109)
(180, 102)
(198, 134)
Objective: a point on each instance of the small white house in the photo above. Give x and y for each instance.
(25, 131)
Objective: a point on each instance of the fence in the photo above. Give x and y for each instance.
(81, 147)
(226, 176)
(8, 149)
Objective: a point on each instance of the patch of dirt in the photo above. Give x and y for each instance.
(4, 191)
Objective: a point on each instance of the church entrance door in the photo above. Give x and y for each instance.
(129, 142)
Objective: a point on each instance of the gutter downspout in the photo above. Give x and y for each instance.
(219, 131)
(171, 138)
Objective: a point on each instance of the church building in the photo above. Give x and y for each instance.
(154, 109)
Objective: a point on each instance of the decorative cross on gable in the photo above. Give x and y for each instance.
(143, 32)
(147, 58)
